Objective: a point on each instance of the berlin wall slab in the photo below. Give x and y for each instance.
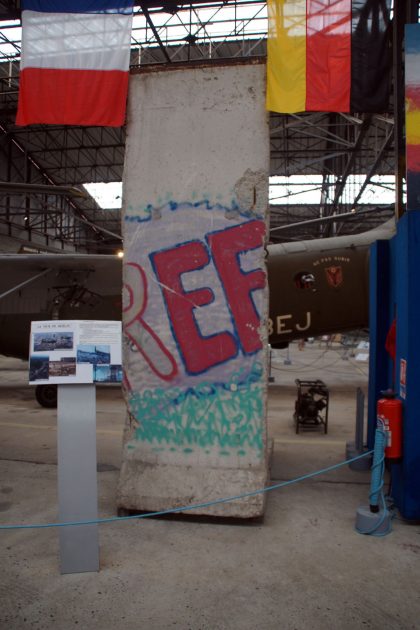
(195, 295)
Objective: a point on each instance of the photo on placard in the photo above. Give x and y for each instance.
(116, 373)
(38, 368)
(95, 354)
(59, 340)
(107, 374)
(102, 373)
(64, 367)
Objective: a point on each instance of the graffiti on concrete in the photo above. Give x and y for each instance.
(200, 353)
(140, 334)
(227, 415)
(193, 305)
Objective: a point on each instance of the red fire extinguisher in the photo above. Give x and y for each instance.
(389, 415)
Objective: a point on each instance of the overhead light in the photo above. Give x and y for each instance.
(120, 253)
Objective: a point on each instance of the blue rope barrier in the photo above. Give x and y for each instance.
(194, 506)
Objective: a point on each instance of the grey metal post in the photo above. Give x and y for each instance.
(77, 477)
(360, 414)
(357, 447)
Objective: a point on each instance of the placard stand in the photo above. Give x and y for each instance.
(77, 477)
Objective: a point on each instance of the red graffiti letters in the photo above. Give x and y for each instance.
(199, 353)
(238, 285)
(140, 334)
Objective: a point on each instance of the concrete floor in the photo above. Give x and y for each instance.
(303, 567)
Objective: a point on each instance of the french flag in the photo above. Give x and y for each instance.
(75, 62)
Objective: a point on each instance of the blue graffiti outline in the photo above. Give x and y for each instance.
(139, 218)
(185, 205)
(231, 334)
(244, 273)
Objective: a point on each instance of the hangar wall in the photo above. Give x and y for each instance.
(195, 296)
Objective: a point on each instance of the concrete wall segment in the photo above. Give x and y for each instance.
(198, 112)
(195, 298)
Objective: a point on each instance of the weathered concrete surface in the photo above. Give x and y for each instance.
(195, 296)
(179, 485)
(303, 567)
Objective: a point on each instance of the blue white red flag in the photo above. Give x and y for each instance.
(75, 62)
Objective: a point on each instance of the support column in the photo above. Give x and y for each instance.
(380, 318)
(406, 473)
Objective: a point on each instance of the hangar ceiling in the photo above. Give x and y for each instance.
(340, 155)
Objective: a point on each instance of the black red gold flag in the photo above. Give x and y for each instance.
(328, 55)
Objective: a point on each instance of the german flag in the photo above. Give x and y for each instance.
(328, 55)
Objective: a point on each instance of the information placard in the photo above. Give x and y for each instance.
(75, 351)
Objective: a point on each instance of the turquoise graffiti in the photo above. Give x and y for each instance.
(224, 414)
